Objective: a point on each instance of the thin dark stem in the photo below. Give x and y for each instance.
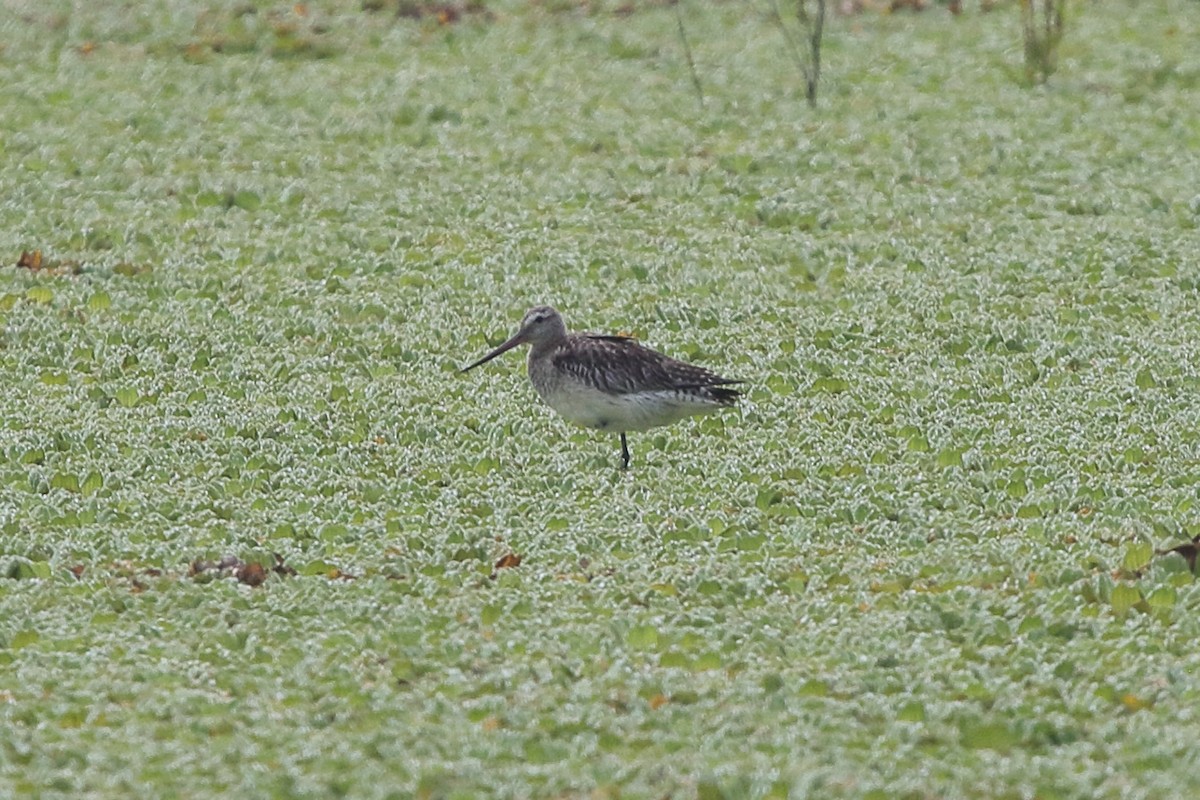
(810, 66)
(687, 54)
(624, 452)
(814, 74)
(787, 35)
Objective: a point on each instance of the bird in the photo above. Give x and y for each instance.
(612, 382)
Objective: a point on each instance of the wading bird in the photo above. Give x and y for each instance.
(611, 383)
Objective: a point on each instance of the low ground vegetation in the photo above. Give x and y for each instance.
(258, 536)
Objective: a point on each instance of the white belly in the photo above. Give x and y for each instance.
(636, 411)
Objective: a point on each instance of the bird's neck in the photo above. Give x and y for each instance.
(540, 352)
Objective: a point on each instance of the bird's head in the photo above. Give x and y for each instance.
(540, 325)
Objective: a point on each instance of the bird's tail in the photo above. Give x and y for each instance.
(724, 395)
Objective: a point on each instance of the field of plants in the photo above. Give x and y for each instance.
(259, 537)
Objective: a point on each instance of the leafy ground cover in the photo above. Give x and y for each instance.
(258, 536)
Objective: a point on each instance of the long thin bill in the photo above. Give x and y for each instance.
(504, 348)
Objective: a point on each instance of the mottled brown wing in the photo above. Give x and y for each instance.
(621, 365)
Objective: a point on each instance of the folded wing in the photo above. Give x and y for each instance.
(620, 365)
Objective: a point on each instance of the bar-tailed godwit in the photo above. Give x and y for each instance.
(611, 383)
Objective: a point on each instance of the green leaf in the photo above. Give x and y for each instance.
(128, 396)
(22, 639)
(829, 385)
(765, 498)
(333, 532)
(247, 200)
(1124, 597)
(780, 385)
(673, 659)
(24, 569)
(320, 568)
(1137, 556)
(92, 483)
(129, 270)
(918, 444)
(1017, 489)
(39, 294)
(99, 301)
(1145, 379)
(65, 480)
(1029, 511)
(642, 637)
(950, 457)
(988, 735)
(284, 530)
(1162, 597)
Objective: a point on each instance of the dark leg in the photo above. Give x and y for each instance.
(624, 452)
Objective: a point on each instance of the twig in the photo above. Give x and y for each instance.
(815, 49)
(810, 66)
(687, 54)
(787, 35)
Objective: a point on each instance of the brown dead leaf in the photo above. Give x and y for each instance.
(1134, 703)
(196, 52)
(658, 701)
(251, 574)
(34, 261)
(508, 561)
(77, 570)
(30, 259)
